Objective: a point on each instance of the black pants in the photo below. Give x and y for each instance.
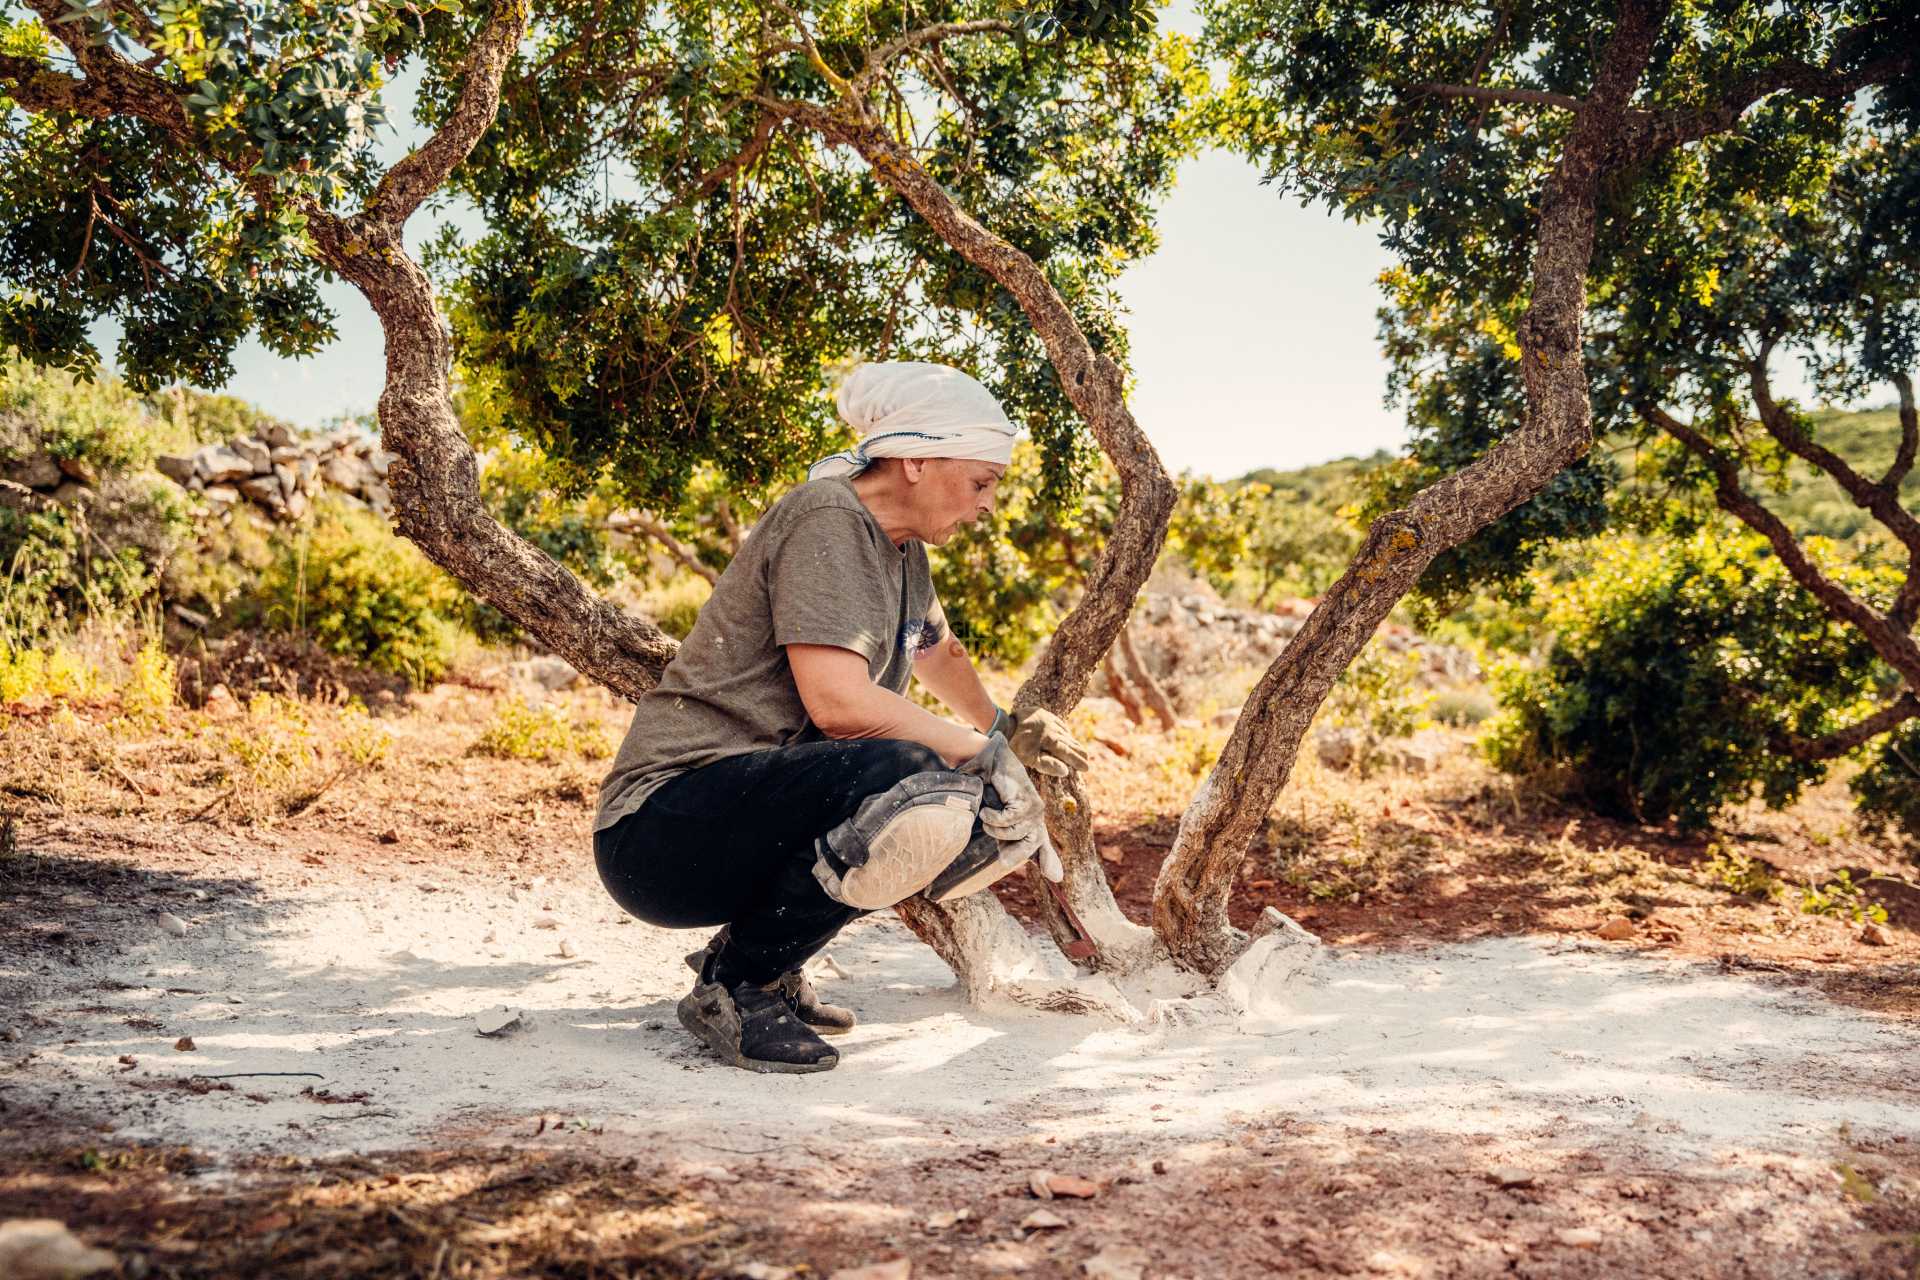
(732, 844)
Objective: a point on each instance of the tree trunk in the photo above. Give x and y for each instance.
(435, 478)
(1122, 689)
(1190, 896)
(1150, 689)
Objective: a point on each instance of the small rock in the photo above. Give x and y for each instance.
(220, 699)
(1873, 935)
(1003, 1257)
(175, 468)
(43, 1249)
(258, 455)
(1116, 1262)
(947, 1218)
(1339, 748)
(1506, 1175)
(1388, 1263)
(1072, 1188)
(1579, 1237)
(217, 466)
(1039, 1183)
(73, 494)
(1042, 1220)
(712, 1173)
(389, 836)
(35, 471)
(128, 1060)
(1615, 929)
(761, 1271)
(173, 924)
(546, 922)
(184, 1044)
(898, 1269)
(496, 1022)
(566, 950)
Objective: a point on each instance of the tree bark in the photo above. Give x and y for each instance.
(1190, 896)
(435, 478)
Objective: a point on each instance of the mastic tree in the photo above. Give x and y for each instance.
(1795, 241)
(778, 190)
(1498, 148)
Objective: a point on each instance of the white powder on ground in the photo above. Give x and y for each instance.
(377, 990)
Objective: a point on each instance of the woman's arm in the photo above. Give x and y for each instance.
(844, 703)
(948, 674)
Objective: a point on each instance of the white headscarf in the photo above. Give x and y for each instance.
(912, 409)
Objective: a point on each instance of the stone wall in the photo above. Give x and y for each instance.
(280, 473)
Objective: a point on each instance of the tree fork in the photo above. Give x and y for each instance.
(1096, 387)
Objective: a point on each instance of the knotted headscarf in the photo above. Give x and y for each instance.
(912, 409)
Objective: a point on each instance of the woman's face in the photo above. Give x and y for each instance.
(952, 492)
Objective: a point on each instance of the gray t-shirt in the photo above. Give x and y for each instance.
(818, 569)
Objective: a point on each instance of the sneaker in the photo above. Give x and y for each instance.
(827, 1019)
(754, 1028)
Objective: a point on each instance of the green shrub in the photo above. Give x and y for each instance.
(1887, 788)
(96, 553)
(363, 593)
(1461, 708)
(1673, 663)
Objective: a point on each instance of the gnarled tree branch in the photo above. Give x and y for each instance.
(1838, 743)
(1485, 93)
(420, 173)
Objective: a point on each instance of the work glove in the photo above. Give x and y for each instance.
(1019, 823)
(1041, 742)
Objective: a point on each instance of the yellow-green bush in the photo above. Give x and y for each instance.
(346, 580)
(522, 732)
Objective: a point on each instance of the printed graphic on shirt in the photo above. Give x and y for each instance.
(918, 636)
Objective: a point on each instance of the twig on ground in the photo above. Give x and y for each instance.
(210, 806)
(235, 1075)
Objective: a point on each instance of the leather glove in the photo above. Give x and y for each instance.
(1041, 742)
(1019, 823)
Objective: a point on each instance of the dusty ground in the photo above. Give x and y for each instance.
(1472, 1084)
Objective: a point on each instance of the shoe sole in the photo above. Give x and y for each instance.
(907, 854)
(696, 1014)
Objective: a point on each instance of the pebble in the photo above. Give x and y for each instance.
(1042, 1220)
(567, 951)
(1506, 1175)
(496, 1022)
(1579, 1237)
(43, 1249)
(173, 924)
(1616, 929)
